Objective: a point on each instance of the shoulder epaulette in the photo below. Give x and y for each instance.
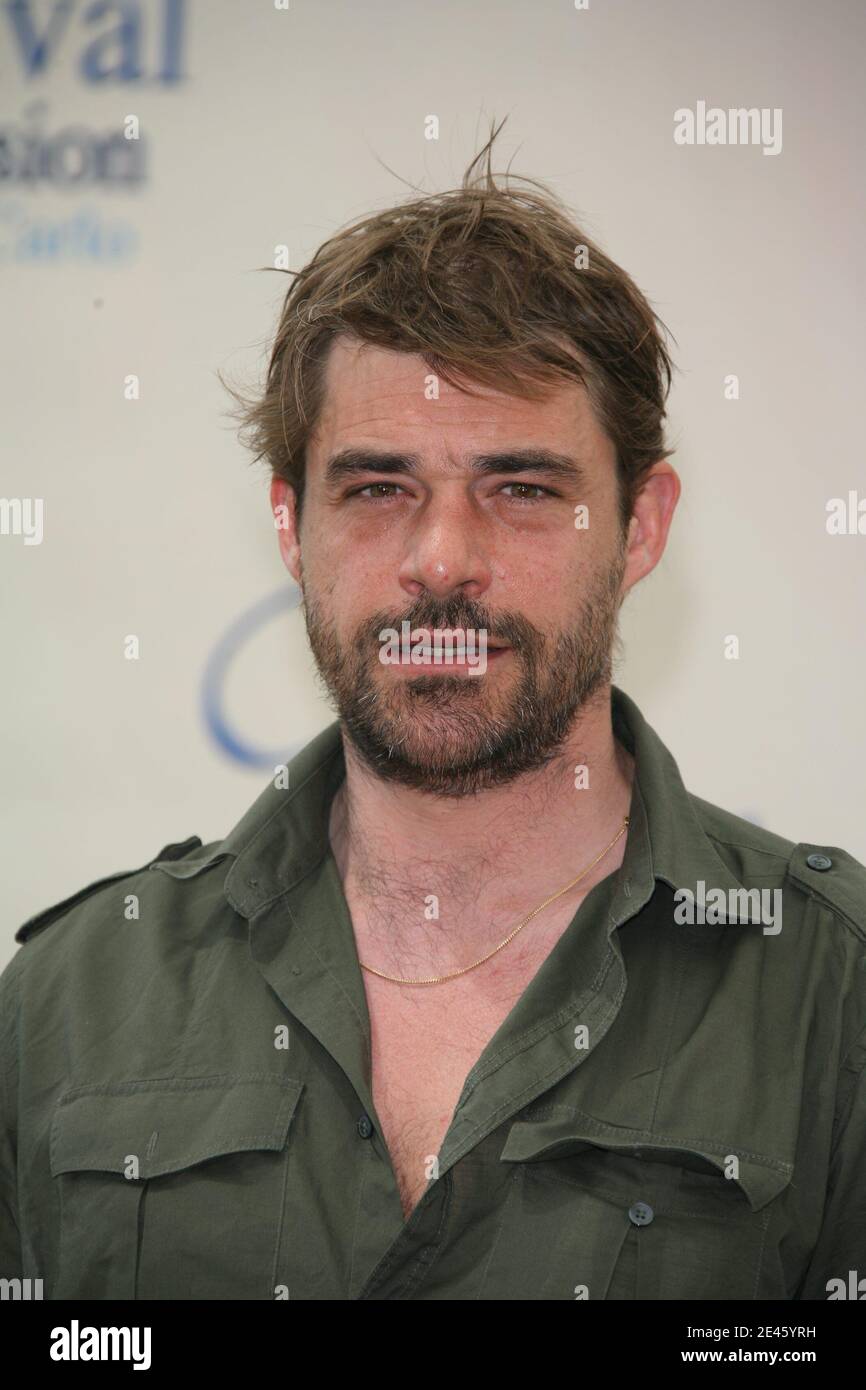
(835, 878)
(51, 914)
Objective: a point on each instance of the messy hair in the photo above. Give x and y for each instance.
(490, 283)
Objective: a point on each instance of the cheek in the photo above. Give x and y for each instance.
(344, 592)
(355, 580)
(552, 572)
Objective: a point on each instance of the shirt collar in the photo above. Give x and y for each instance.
(284, 834)
(679, 850)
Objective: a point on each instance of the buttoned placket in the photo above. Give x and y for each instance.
(530, 1053)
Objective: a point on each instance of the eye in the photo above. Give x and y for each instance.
(359, 491)
(545, 491)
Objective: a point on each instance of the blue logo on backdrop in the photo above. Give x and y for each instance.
(216, 671)
(140, 42)
(83, 235)
(108, 44)
(73, 157)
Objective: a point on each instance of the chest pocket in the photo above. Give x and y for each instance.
(172, 1188)
(591, 1215)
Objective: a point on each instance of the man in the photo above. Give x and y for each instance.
(478, 1002)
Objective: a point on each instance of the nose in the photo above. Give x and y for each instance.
(445, 549)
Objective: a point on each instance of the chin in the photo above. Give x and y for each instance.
(435, 735)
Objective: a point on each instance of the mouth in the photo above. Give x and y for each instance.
(419, 651)
(426, 662)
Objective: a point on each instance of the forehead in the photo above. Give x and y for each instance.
(375, 395)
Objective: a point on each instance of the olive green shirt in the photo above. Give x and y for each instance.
(671, 1110)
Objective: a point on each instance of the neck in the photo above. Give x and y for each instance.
(488, 858)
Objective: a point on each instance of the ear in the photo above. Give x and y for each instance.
(650, 522)
(284, 508)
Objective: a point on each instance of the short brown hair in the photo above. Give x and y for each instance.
(482, 282)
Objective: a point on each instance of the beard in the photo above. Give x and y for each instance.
(450, 735)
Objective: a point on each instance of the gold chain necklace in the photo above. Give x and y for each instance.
(437, 979)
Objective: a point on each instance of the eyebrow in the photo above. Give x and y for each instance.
(348, 463)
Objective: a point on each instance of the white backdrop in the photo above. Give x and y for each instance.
(261, 126)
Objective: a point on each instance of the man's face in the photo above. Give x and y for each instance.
(413, 527)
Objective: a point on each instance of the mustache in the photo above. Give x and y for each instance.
(510, 628)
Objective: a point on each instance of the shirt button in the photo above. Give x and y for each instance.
(365, 1127)
(640, 1214)
(819, 861)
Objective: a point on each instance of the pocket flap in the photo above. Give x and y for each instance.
(169, 1124)
(761, 1178)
